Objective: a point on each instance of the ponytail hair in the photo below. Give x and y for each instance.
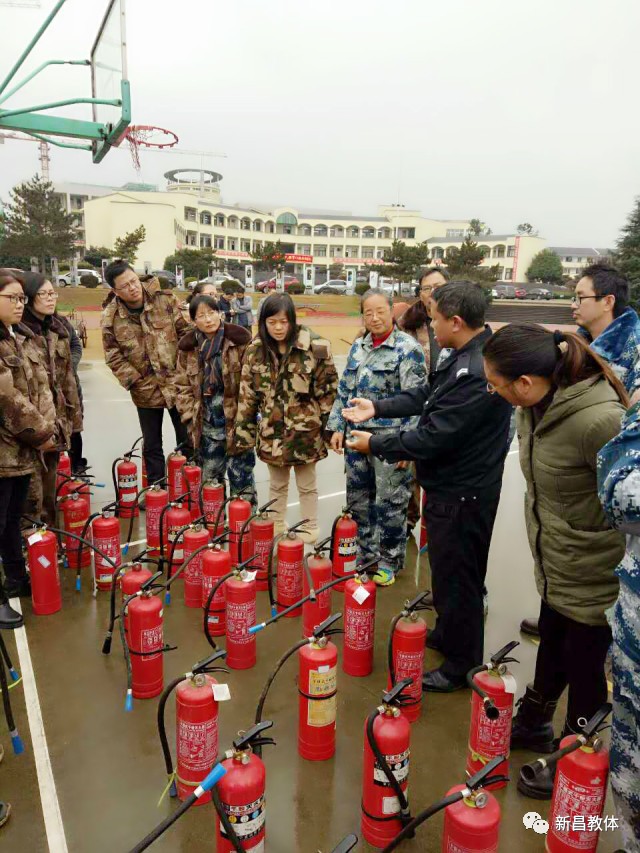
(565, 358)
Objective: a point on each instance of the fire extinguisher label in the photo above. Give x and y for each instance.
(359, 628)
(348, 547)
(151, 641)
(262, 547)
(178, 554)
(127, 481)
(207, 584)
(44, 562)
(390, 805)
(247, 821)
(322, 712)
(110, 547)
(240, 617)
(198, 744)
(211, 509)
(493, 736)
(153, 520)
(399, 764)
(127, 498)
(193, 572)
(571, 798)
(452, 847)
(290, 578)
(410, 665)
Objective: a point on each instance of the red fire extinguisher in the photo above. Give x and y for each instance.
(288, 549)
(42, 555)
(175, 476)
(405, 653)
(472, 816)
(192, 481)
(75, 511)
(317, 573)
(580, 786)
(216, 564)
(174, 518)
(195, 537)
(239, 796)
(256, 536)
(64, 468)
(70, 485)
(156, 500)
(359, 625)
(385, 773)
(130, 577)
(105, 532)
(145, 478)
(197, 697)
(124, 473)
(344, 546)
(240, 615)
(493, 691)
(239, 513)
(212, 502)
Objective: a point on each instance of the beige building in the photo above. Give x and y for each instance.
(574, 260)
(512, 253)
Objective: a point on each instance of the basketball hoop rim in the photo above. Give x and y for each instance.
(130, 136)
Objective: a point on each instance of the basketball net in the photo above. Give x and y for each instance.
(147, 136)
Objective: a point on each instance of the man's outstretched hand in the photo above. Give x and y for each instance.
(359, 440)
(359, 410)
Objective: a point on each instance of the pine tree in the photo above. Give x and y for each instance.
(627, 254)
(403, 262)
(464, 263)
(194, 262)
(127, 247)
(35, 224)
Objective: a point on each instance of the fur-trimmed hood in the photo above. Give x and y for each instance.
(236, 335)
(40, 327)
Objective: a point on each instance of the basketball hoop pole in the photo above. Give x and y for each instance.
(31, 45)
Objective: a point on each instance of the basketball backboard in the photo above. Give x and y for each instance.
(110, 96)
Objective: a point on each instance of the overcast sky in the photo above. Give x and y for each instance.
(506, 110)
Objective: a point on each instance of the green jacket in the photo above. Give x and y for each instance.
(574, 549)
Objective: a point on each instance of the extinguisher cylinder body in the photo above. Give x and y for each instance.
(215, 564)
(156, 499)
(359, 626)
(192, 540)
(46, 595)
(239, 512)
(489, 738)
(579, 790)
(241, 793)
(392, 734)
(175, 519)
(106, 537)
(196, 734)
(240, 606)
(407, 649)
(212, 500)
(344, 548)
(289, 585)
(64, 466)
(145, 640)
(145, 479)
(315, 612)
(470, 828)
(75, 512)
(318, 664)
(130, 583)
(175, 476)
(127, 480)
(193, 476)
(261, 536)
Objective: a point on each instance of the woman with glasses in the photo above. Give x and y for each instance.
(570, 404)
(289, 384)
(27, 431)
(53, 339)
(207, 381)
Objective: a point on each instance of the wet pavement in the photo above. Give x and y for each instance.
(107, 765)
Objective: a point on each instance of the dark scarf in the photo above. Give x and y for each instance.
(210, 359)
(37, 326)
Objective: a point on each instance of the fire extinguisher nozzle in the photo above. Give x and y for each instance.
(15, 675)
(173, 791)
(212, 779)
(274, 610)
(106, 645)
(167, 597)
(16, 742)
(78, 583)
(128, 703)
(255, 628)
(125, 549)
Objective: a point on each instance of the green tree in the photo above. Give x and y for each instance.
(35, 225)
(194, 262)
(464, 262)
(94, 255)
(477, 228)
(336, 271)
(127, 246)
(627, 254)
(271, 256)
(527, 228)
(403, 262)
(546, 266)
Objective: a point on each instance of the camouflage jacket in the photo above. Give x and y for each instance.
(378, 372)
(188, 382)
(55, 348)
(293, 398)
(619, 344)
(27, 413)
(142, 349)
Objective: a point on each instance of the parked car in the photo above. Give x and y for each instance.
(521, 293)
(67, 278)
(540, 293)
(270, 283)
(217, 279)
(505, 291)
(170, 276)
(333, 285)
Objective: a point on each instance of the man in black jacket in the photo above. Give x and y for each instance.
(459, 446)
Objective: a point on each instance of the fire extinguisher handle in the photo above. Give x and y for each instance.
(501, 655)
(253, 737)
(479, 780)
(321, 629)
(265, 507)
(324, 545)
(367, 568)
(148, 583)
(346, 844)
(394, 696)
(202, 665)
(419, 603)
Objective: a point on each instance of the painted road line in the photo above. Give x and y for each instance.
(133, 544)
(321, 498)
(48, 794)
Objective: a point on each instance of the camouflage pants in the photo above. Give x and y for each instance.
(239, 469)
(41, 500)
(378, 494)
(625, 729)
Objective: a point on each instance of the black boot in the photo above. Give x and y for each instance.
(541, 787)
(9, 618)
(533, 724)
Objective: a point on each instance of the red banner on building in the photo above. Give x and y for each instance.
(298, 259)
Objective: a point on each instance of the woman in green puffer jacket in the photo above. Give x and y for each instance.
(570, 404)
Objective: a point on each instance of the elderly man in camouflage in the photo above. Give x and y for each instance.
(141, 328)
(381, 364)
(619, 489)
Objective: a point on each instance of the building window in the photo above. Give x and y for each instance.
(368, 233)
(304, 249)
(76, 202)
(351, 252)
(245, 224)
(218, 242)
(257, 245)
(406, 233)
(498, 251)
(511, 252)
(336, 251)
(270, 228)
(232, 222)
(568, 259)
(192, 238)
(205, 241)
(384, 234)
(380, 253)
(305, 230)
(233, 244)
(287, 219)
(320, 231)
(257, 225)
(454, 233)
(219, 220)
(367, 253)
(337, 231)
(579, 260)
(438, 253)
(320, 251)
(508, 274)
(190, 214)
(205, 218)
(353, 231)
(486, 251)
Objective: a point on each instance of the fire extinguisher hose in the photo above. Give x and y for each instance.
(224, 820)
(271, 678)
(489, 708)
(136, 505)
(163, 512)
(207, 607)
(409, 830)
(180, 533)
(258, 512)
(404, 815)
(162, 731)
(392, 673)
(106, 646)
